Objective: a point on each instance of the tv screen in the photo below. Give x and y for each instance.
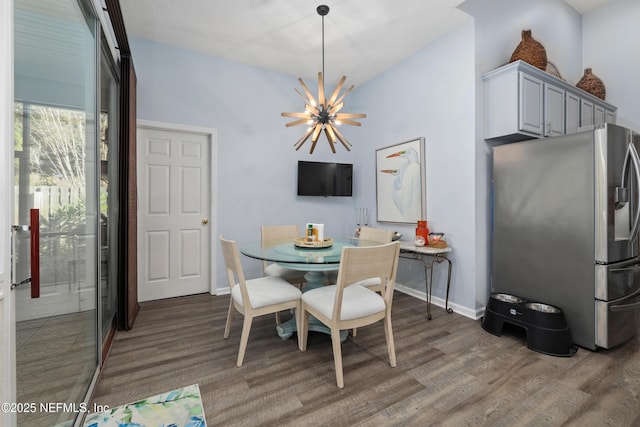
(325, 179)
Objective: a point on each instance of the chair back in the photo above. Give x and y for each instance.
(358, 263)
(273, 235)
(232, 263)
(377, 235)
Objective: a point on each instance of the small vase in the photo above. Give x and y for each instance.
(592, 84)
(422, 230)
(530, 50)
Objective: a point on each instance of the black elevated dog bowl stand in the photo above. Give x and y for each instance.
(545, 325)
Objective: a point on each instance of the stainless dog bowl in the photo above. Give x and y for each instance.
(544, 308)
(507, 298)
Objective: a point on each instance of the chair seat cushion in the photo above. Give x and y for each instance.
(286, 273)
(265, 291)
(357, 301)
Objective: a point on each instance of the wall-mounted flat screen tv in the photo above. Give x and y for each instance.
(325, 179)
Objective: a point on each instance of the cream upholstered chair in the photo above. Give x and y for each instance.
(368, 235)
(273, 235)
(254, 297)
(347, 305)
(378, 235)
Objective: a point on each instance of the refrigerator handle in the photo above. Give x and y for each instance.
(636, 166)
(630, 305)
(621, 194)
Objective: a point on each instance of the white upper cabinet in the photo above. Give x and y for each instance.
(531, 92)
(572, 117)
(554, 110)
(523, 102)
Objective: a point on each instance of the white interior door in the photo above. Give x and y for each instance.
(174, 243)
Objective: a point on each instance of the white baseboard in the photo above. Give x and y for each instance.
(464, 311)
(459, 309)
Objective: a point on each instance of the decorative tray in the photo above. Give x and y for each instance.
(302, 242)
(441, 244)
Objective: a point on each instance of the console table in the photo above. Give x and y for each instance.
(429, 256)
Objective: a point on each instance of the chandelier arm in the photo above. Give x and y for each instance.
(314, 137)
(310, 97)
(304, 115)
(302, 140)
(311, 109)
(297, 122)
(342, 116)
(342, 139)
(337, 90)
(331, 137)
(350, 122)
(305, 98)
(321, 100)
(334, 109)
(339, 100)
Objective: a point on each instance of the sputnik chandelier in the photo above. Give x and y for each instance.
(323, 114)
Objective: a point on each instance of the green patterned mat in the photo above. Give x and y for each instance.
(177, 408)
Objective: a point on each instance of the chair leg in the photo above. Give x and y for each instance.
(244, 338)
(354, 331)
(303, 328)
(298, 316)
(337, 355)
(277, 317)
(388, 334)
(227, 327)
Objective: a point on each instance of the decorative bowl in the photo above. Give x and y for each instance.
(435, 237)
(419, 241)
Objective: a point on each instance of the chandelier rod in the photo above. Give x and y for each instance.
(322, 10)
(323, 46)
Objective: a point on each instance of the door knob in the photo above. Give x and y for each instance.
(205, 220)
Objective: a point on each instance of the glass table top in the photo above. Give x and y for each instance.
(289, 253)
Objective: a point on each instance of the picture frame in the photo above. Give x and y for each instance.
(401, 182)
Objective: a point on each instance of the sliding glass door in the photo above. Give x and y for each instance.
(57, 172)
(109, 169)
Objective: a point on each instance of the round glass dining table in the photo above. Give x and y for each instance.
(315, 261)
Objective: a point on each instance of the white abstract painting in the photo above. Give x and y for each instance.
(400, 181)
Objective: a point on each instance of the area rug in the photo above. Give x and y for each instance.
(177, 408)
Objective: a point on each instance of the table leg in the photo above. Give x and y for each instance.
(429, 284)
(446, 304)
(315, 279)
(428, 276)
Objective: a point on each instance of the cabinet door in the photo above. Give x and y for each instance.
(572, 113)
(598, 114)
(610, 116)
(531, 103)
(586, 113)
(553, 110)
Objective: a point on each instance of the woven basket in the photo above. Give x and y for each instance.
(530, 50)
(592, 84)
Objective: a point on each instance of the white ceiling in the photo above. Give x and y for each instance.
(362, 37)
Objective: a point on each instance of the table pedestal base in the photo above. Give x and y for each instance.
(315, 279)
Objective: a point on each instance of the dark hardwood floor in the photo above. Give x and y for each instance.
(450, 372)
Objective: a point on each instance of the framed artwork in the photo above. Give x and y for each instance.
(400, 182)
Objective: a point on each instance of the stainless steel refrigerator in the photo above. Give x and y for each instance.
(565, 226)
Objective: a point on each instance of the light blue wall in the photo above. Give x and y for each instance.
(256, 164)
(498, 26)
(431, 95)
(611, 49)
(436, 93)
